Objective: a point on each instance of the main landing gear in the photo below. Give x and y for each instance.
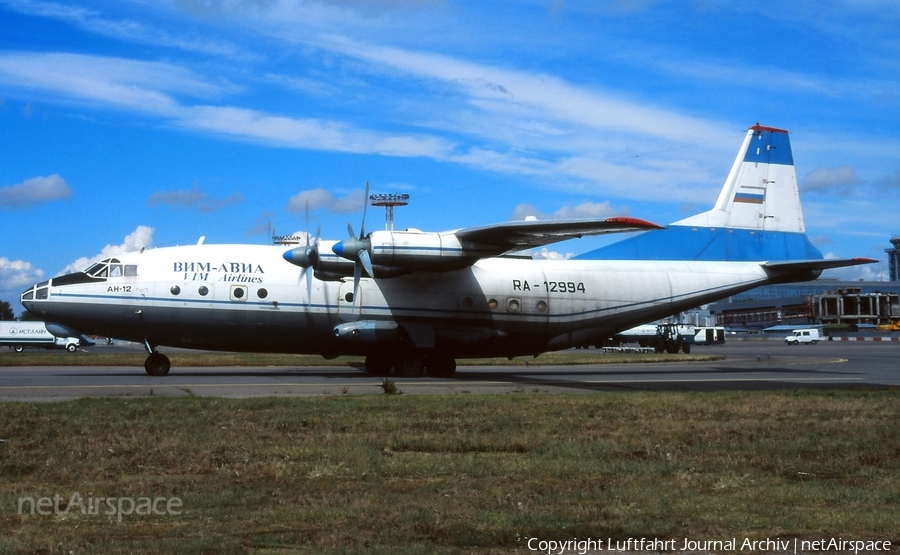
(157, 364)
(411, 365)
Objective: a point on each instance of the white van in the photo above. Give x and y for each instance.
(797, 337)
(19, 335)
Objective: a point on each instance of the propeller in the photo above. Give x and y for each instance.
(306, 257)
(357, 249)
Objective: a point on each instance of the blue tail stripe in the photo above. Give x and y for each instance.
(767, 147)
(693, 243)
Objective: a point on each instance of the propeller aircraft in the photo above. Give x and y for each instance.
(413, 301)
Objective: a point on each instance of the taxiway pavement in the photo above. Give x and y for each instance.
(747, 365)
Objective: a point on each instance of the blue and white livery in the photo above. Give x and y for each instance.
(756, 217)
(415, 301)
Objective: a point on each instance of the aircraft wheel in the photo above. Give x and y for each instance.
(409, 366)
(379, 365)
(19, 348)
(157, 364)
(440, 366)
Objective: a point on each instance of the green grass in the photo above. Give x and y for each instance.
(452, 474)
(205, 358)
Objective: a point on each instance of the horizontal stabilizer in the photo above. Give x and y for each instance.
(806, 270)
(816, 265)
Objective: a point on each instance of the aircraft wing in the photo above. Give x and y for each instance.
(521, 235)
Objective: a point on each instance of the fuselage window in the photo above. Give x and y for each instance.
(115, 270)
(130, 270)
(175, 290)
(204, 290)
(262, 293)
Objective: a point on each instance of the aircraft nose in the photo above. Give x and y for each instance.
(38, 291)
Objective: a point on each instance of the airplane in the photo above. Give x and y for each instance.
(413, 301)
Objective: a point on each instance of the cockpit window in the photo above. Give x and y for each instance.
(111, 267)
(96, 269)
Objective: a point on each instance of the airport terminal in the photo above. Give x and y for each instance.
(853, 306)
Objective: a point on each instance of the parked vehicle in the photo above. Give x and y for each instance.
(797, 337)
(19, 335)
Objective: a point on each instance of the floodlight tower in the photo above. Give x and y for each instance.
(389, 201)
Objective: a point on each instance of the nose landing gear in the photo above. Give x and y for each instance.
(157, 364)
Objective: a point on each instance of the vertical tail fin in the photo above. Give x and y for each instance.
(761, 189)
(757, 215)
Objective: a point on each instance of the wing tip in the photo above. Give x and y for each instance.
(634, 222)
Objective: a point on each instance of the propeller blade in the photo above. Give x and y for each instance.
(362, 226)
(307, 222)
(366, 262)
(357, 274)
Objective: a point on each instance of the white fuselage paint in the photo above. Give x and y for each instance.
(256, 301)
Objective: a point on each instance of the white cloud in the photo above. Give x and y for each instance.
(33, 191)
(141, 237)
(116, 82)
(585, 210)
(312, 133)
(315, 199)
(512, 121)
(540, 93)
(546, 254)
(128, 30)
(16, 275)
(866, 272)
(193, 199)
(889, 183)
(840, 180)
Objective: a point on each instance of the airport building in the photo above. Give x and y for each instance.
(820, 302)
(851, 304)
(894, 259)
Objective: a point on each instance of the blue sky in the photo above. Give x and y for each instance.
(126, 124)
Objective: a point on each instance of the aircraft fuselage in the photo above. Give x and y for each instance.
(247, 298)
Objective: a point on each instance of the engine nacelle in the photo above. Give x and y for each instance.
(412, 250)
